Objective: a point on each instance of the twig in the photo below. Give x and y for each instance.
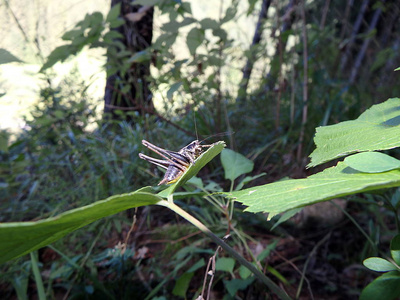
(364, 47)
(256, 40)
(305, 81)
(354, 33)
(324, 13)
(312, 253)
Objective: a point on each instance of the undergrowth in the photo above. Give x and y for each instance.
(64, 160)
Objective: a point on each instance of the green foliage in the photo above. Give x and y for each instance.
(235, 164)
(332, 183)
(386, 286)
(342, 179)
(363, 134)
(23, 237)
(372, 162)
(7, 57)
(58, 163)
(95, 32)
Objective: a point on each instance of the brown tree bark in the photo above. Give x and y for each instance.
(137, 34)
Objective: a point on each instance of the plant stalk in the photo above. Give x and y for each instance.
(268, 282)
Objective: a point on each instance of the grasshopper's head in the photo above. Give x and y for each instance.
(195, 148)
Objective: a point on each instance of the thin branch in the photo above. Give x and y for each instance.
(248, 68)
(364, 47)
(287, 20)
(305, 81)
(324, 14)
(354, 33)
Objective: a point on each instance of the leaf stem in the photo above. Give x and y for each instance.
(268, 282)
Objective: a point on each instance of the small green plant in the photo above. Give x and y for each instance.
(355, 174)
(386, 286)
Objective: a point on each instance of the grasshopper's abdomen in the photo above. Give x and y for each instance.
(171, 175)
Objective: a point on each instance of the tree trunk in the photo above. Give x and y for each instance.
(128, 89)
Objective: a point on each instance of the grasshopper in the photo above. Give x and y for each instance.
(176, 163)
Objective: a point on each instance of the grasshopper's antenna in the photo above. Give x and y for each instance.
(195, 125)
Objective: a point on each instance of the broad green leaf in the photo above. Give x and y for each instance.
(372, 162)
(244, 272)
(209, 23)
(397, 69)
(376, 129)
(174, 87)
(379, 264)
(193, 169)
(114, 12)
(385, 287)
(59, 54)
(221, 33)
(182, 285)
(72, 34)
(395, 249)
(19, 238)
(230, 14)
(194, 39)
(235, 285)
(6, 57)
(235, 164)
(225, 264)
(332, 183)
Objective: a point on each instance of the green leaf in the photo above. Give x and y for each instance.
(235, 164)
(221, 33)
(379, 264)
(267, 251)
(244, 272)
(230, 14)
(395, 249)
(209, 23)
(385, 287)
(397, 69)
(72, 34)
(147, 2)
(140, 57)
(114, 13)
(333, 182)
(225, 264)
(6, 57)
(182, 285)
(372, 162)
(117, 23)
(59, 54)
(193, 169)
(286, 216)
(174, 87)
(376, 129)
(235, 285)
(201, 263)
(19, 238)
(194, 39)
(248, 179)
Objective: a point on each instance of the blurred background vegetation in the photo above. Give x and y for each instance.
(82, 84)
